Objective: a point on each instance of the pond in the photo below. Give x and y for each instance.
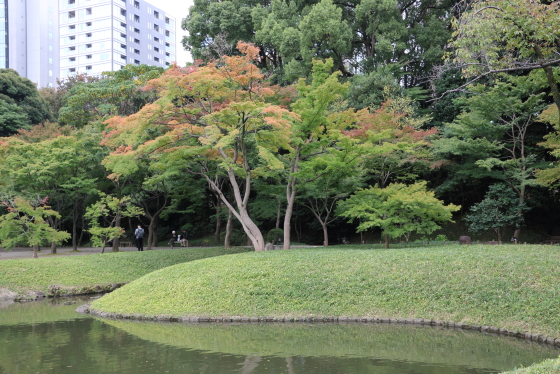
(50, 337)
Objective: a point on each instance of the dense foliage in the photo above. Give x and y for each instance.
(296, 111)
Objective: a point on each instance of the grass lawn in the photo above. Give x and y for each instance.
(86, 272)
(511, 287)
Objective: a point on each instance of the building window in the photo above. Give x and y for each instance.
(167, 44)
(88, 24)
(156, 49)
(123, 25)
(70, 2)
(136, 18)
(72, 37)
(166, 32)
(123, 57)
(72, 70)
(50, 35)
(136, 41)
(156, 59)
(156, 39)
(88, 35)
(137, 5)
(167, 20)
(137, 51)
(72, 14)
(72, 27)
(123, 36)
(88, 11)
(123, 12)
(50, 60)
(156, 14)
(88, 67)
(88, 57)
(167, 54)
(88, 45)
(72, 59)
(50, 47)
(137, 62)
(72, 48)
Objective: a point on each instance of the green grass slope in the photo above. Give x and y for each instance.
(88, 271)
(512, 287)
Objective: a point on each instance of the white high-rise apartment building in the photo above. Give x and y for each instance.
(48, 39)
(29, 39)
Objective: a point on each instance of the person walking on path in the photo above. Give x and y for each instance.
(139, 238)
(173, 238)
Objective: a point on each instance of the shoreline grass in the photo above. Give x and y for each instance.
(19, 277)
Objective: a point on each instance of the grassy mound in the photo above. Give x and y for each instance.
(512, 287)
(88, 271)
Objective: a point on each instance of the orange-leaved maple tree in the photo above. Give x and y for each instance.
(214, 121)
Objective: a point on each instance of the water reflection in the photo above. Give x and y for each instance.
(52, 338)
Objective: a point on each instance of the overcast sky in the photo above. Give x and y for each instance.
(179, 9)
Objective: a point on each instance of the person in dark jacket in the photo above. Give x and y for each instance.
(139, 238)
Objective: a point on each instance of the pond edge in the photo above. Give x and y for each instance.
(539, 338)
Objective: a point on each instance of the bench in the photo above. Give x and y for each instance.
(123, 244)
(179, 243)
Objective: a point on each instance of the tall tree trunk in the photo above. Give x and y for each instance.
(117, 224)
(35, 251)
(53, 248)
(75, 229)
(386, 240)
(151, 229)
(81, 238)
(278, 213)
(325, 235)
(218, 230)
(290, 198)
(229, 227)
(241, 213)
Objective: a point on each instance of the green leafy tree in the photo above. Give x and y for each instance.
(104, 217)
(506, 37)
(25, 223)
(359, 35)
(12, 119)
(398, 210)
(16, 91)
(116, 93)
(329, 179)
(499, 208)
(62, 168)
(494, 136)
(315, 132)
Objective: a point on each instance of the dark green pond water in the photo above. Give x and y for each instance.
(49, 337)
